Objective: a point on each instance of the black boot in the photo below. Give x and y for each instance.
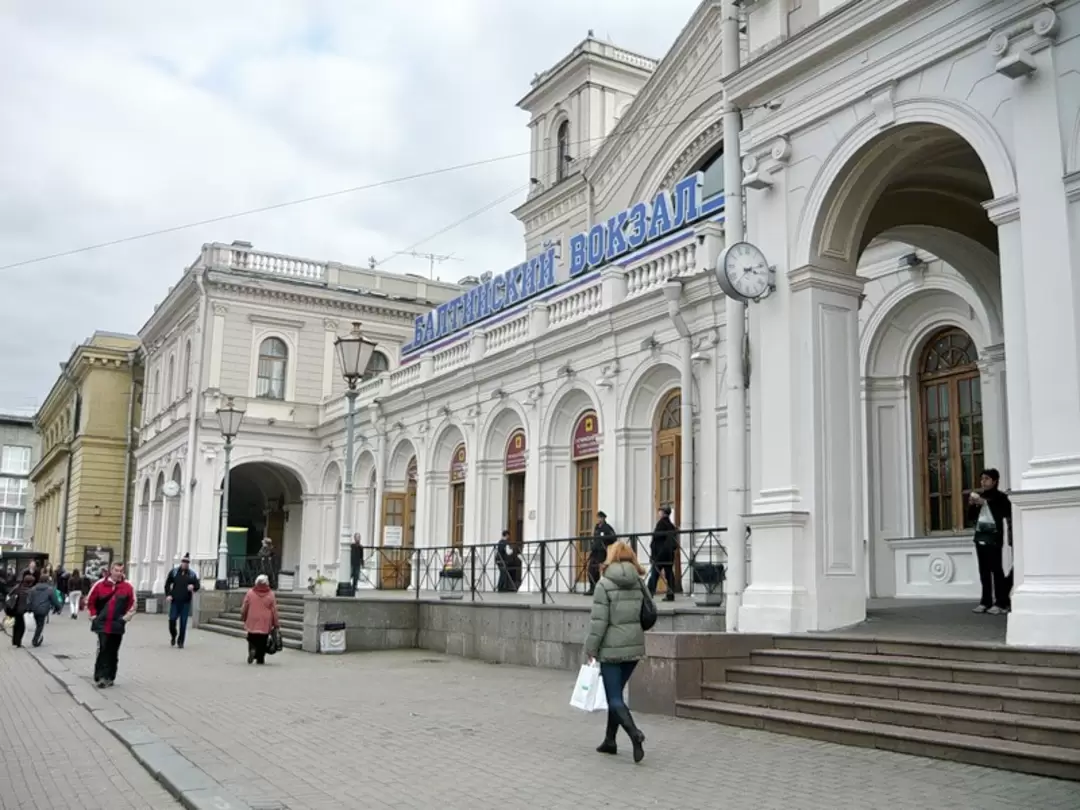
(172, 632)
(626, 720)
(608, 745)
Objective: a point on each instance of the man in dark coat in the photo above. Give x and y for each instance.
(991, 533)
(356, 560)
(180, 587)
(603, 536)
(662, 549)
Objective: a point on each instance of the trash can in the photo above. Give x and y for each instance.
(451, 584)
(332, 638)
(151, 605)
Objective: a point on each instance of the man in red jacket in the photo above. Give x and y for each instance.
(111, 605)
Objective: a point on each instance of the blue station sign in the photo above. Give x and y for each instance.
(587, 251)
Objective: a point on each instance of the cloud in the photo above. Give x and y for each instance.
(122, 118)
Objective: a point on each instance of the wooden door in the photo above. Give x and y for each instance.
(457, 515)
(668, 487)
(586, 500)
(394, 568)
(515, 508)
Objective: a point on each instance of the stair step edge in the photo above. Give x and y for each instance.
(911, 641)
(911, 707)
(911, 683)
(924, 663)
(944, 738)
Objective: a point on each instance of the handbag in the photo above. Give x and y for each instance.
(273, 641)
(649, 614)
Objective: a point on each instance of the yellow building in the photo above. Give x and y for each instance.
(82, 483)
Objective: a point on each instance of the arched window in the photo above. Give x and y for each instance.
(562, 156)
(187, 366)
(376, 365)
(713, 167)
(950, 417)
(155, 394)
(273, 358)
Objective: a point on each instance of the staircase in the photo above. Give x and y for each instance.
(984, 704)
(290, 610)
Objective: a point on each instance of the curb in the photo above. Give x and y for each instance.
(189, 784)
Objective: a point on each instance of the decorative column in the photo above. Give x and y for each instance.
(806, 518)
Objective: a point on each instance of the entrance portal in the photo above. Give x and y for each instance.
(265, 502)
(586, 455)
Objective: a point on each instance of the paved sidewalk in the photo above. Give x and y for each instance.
(412, 729)
(54, 755)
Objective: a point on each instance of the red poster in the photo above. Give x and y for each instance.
(515, 452)
(587, 436)
(458, 468)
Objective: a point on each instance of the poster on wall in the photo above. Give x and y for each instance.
(587, 436)
(393, 536)
(515, 453)
(95, 560)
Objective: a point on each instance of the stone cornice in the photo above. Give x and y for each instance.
(329, 300)
(156, 327)
(1003, 210)
(558, 200)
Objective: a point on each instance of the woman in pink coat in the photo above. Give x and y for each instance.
(260, 616)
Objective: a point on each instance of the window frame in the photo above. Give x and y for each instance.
(369, 374)
(22, 489)
(18, 521)
(951, 377)
(282, 360)
(562, 150)
(5, 470)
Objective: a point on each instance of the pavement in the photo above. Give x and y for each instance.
(412, 729)
(55, 755)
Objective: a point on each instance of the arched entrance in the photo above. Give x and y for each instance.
(585, 453)
(808, 534)
(667, 464)
(266, 501)
(514, 463)
(398, 519)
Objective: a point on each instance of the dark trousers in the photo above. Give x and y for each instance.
(257, 646)
(668, 570)
(108, 656)
(995, 586)
(178, 619)
(594, 572)
(18, 630)
(39, 628)
(355, 576)
(615, 677)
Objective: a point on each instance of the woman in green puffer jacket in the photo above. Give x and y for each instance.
(617, 640)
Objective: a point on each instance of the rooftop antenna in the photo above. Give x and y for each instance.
(371, 262)
(433, 259)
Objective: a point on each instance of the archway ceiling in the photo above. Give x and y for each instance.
(271, 480)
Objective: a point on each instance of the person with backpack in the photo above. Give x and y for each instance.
(41, 601)
(15, 606)
(180, 587)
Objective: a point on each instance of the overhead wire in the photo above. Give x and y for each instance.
(355, 189)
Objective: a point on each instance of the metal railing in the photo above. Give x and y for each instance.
(548, 567)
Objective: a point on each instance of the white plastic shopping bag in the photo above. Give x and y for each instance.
(589, 690)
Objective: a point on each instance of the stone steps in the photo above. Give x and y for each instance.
(1011, 708)
(290, 610)
(223, 630)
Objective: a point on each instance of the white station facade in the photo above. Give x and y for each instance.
(910, 175)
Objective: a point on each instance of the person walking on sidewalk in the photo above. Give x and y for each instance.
(180, 587)
(15, 606)
(356, 560)
(617, 640)
(111, 605)
(75, 592)
(663, 549)
(260, 616)
(41, 601)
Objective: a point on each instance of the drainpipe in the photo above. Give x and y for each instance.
(194, 408)
(736, 331)
(125, 509)
(672, 294)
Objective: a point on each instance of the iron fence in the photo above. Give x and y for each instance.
(548, 567)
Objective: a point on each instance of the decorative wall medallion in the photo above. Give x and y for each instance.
(940, 568)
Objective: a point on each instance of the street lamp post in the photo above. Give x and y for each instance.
(229, 418)
(354, 352)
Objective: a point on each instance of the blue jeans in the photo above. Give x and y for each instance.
(179, 611)
(615, 677)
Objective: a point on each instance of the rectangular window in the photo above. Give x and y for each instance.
(15, 460)
(13, 493)
(457, 516)
(11, 527)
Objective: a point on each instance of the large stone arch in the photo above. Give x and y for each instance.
(647, 385)
(331, 479)
(832, 229)
(364, 470)
(701, 134)
(268, 497)
(568, 402)
(446, 439)
(242, 456)
(397, 462)
(498, 426)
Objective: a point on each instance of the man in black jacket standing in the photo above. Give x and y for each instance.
(180, 587)
(356, 559)
(990, 510)
(603, 536)
(662, 549)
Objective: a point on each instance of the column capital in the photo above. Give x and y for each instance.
(810, 277)
(1003, 210)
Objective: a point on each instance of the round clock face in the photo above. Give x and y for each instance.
(171, 489)
(744, 271)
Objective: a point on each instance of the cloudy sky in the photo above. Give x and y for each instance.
(120, 117)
